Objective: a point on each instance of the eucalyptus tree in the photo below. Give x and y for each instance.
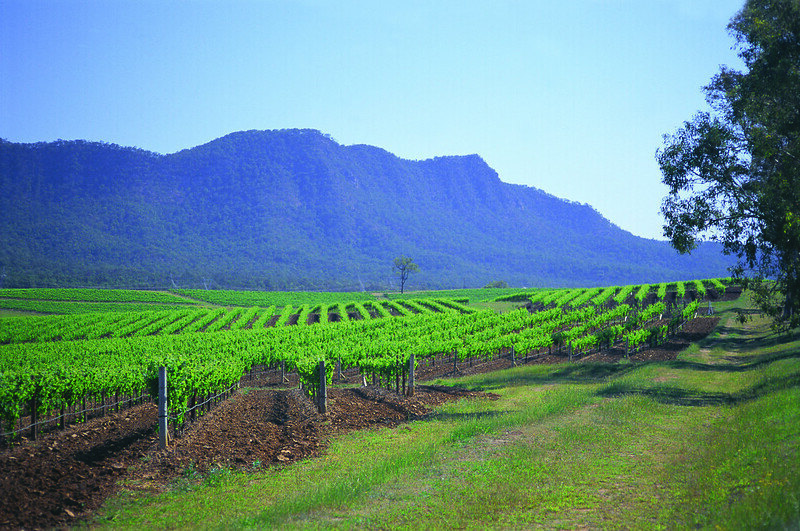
(404, 266)
(734, 173)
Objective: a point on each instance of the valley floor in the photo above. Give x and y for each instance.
(709, 439)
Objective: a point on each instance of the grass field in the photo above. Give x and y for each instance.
(709, 440)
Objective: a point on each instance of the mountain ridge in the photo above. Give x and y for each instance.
(293, 209)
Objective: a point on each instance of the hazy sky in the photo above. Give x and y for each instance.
(569, 96)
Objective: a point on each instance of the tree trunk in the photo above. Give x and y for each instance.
(787, 307)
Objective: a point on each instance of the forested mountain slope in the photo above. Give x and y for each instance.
(293, 209)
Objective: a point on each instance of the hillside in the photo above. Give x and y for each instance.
(294, 209)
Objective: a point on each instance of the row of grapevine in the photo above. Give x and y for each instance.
(184, 320)
(273, 298)
(78, 307)
(61, 373)
(585, 297)
(618, 294)
(52, 375)
(624, 293)
(604, 295)
(92, 295)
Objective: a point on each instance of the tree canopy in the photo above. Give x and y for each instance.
(405, 266)
(734, 173)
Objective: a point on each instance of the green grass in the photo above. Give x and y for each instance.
(709, 440)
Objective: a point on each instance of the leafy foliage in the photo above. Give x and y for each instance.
(208, 350)
(294, 210)
(734, 175)
(404, 267)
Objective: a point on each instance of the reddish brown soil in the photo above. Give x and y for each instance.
(65, 476)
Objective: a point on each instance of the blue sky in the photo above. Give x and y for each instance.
(569, 96)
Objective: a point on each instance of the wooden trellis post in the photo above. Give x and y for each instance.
(163, 434)
(410, 391)
(322, 397)
(34, 406)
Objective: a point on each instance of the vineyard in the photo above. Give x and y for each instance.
(191, 352)
(78, 301)
(52, 366)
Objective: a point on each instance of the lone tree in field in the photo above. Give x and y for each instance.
(405, 266)
(734, 174)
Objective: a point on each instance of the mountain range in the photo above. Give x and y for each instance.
(295, 210)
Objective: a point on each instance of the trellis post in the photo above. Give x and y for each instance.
(163, 434)
(34, 406)
(411, 375)
(322, 398)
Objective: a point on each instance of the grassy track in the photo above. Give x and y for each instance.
(711, 439)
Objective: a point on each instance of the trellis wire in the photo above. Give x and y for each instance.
(74, 413)
(171, 418)
(104, 406)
